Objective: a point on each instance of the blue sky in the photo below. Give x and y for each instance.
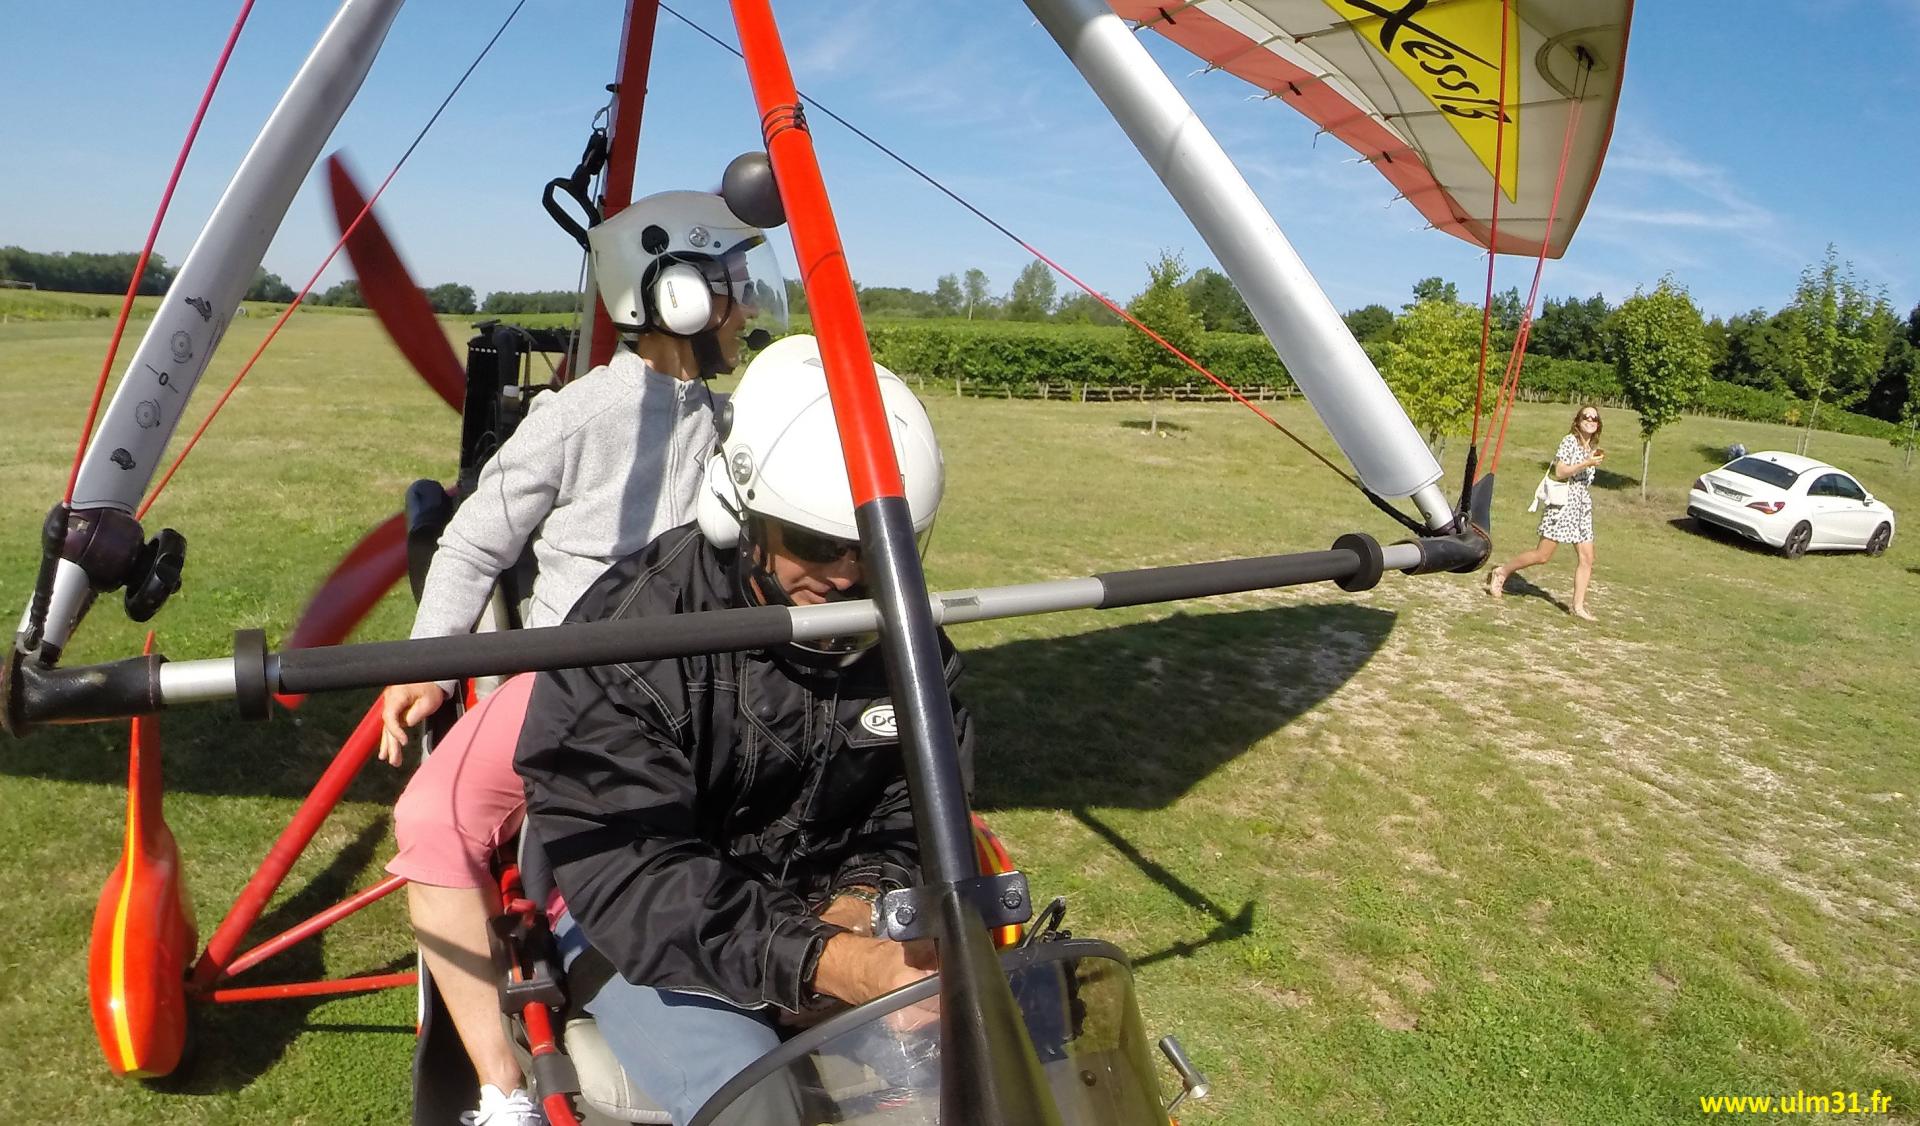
(1750, 135)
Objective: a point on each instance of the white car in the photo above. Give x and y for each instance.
(1793, 503)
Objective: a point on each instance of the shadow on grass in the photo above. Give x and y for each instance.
(1718, 535)
(1134, 716)
(206, 749)
(1716, 456)
(1227, 928)
(1519, 586)
(237, 1043)
(1608, 479)
(1147, 424)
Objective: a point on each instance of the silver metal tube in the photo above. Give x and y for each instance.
(137, 425)
(1400, 556)
(187, 682)
(1315, 344)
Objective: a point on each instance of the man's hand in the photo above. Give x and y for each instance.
(403, 706)
(856, 969)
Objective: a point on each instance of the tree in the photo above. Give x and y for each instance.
(535, 301)
(1898, 372)
(1659, 348)
(267, 287)
(1434, 289)
(947, 298)
(1031, 297)
(893, 301)
(1755, 353)
(1084, 309)
(1162, 306)
(1570, 329)
(1429, 365)
(1217, 302)
(796, 297)
(346, 293)
(1837, 334)
(452, 298)
(978, 297)
(1372, 322)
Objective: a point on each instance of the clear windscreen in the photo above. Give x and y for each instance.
(883, 1069)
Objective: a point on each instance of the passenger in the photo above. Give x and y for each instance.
(721, 826)
(592, 474)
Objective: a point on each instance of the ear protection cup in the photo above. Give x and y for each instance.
(683, 302)
(718, 507)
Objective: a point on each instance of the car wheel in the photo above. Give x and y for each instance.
(1877, 542)
(1797, 540)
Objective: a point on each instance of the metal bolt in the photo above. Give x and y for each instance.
(903, 916)
(1011, 899)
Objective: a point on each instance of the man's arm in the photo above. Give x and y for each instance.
(613, 799)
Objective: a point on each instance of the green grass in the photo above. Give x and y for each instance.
(1407, 856)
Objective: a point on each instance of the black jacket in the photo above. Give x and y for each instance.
(697, 812)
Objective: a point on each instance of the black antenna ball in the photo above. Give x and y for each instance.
(748, 187)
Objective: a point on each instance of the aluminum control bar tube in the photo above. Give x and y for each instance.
(1318, 349)
(31, 695)
(140, 420)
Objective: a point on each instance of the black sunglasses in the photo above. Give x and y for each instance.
(811, 547)
(1589, 418)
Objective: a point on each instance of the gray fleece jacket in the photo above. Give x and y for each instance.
(593, 474)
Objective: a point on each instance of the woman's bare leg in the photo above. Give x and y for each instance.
(1497, 578)
(1582, 572)
(451, 924)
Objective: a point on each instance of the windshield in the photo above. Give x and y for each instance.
(879, 1065)
(1779, 476)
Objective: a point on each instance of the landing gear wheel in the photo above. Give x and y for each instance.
(1877, 542)
(1797, 540)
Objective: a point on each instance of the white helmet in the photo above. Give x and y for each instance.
(780, 455)
(677, 262)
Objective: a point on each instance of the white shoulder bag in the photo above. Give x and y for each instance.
(1552, 492)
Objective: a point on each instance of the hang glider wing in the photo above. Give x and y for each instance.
(1413, 87)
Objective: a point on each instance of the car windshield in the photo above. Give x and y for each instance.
(1779, 476)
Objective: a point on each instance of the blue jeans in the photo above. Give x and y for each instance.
(679, 1048)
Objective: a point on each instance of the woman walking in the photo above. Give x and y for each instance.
(1569, 522)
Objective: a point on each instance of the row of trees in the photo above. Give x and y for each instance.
(1836, 344)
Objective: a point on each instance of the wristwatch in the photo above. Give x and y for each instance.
(871, 897)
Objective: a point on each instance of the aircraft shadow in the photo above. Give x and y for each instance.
(1134, 715)
(237, 1043)
(206, 749)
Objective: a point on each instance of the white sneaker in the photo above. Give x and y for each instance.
(501, 1108)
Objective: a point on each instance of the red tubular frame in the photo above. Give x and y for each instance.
(354, 753)
(871, 468)
(312, 988)
(314, 925)
(623, 139)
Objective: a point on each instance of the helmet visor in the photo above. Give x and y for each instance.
(752, 278)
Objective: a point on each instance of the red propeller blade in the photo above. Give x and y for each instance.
(389, 291)
(350, 593)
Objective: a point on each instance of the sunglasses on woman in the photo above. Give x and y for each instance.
(1589, 418)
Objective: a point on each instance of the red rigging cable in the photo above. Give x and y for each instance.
(1510, 385)
(1493, 231)
(324, 263)
(146, 252)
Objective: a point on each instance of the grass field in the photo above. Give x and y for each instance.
(1406, 856)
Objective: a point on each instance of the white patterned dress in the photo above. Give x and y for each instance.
(1571, 522)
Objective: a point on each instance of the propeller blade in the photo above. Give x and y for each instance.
(350, 592)
(389, 290)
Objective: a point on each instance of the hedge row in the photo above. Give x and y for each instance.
(998, 356)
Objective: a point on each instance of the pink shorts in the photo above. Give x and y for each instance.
(465, 801)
